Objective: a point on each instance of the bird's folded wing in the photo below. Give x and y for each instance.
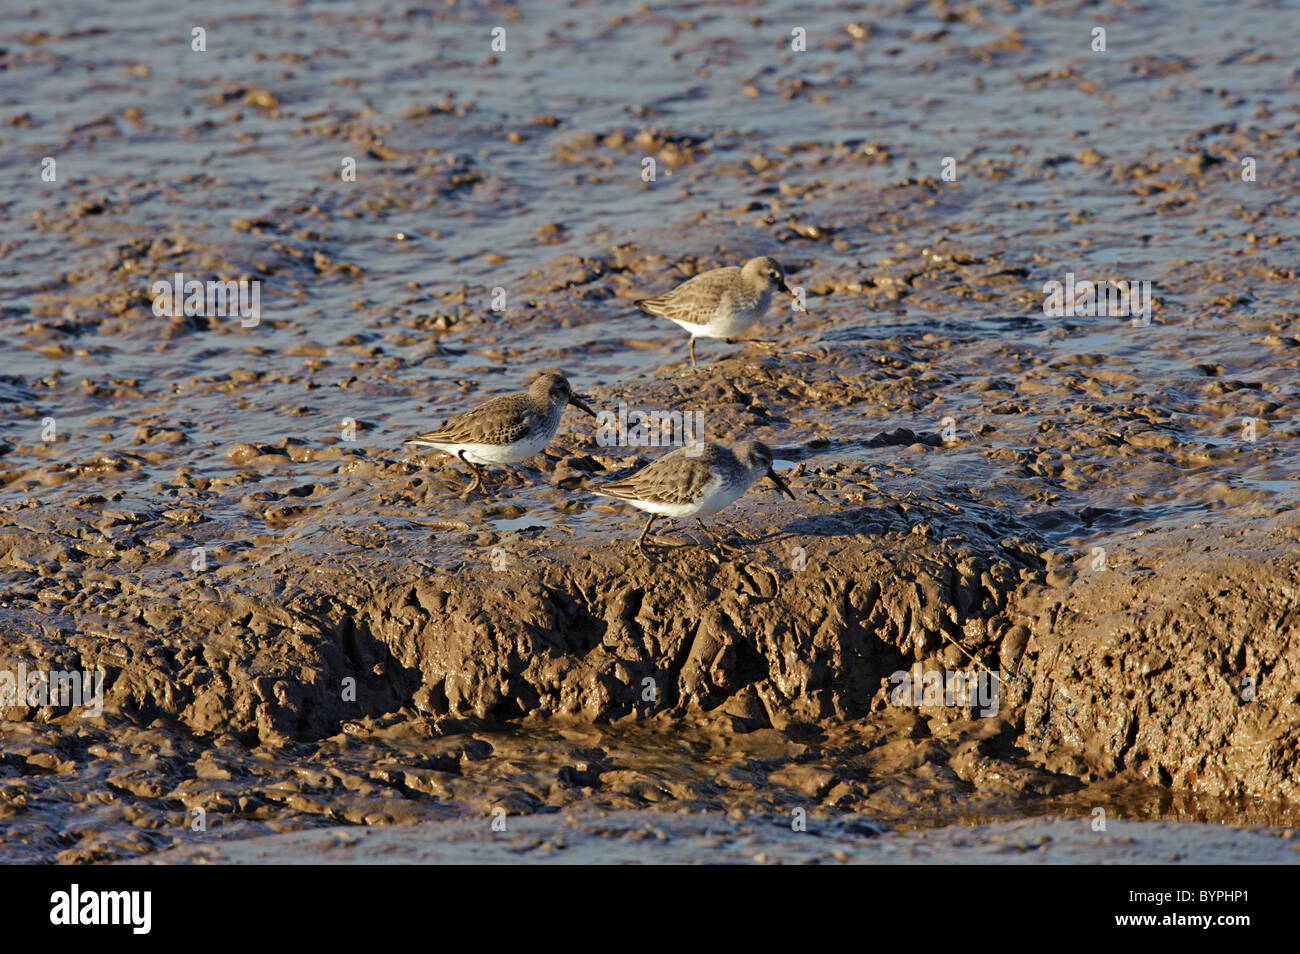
(693, 301)
(489, 423)
(680, 480)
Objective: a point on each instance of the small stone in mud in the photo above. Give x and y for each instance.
(262, 99)
(242, 453)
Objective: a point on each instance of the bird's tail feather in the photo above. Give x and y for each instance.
(614, 491)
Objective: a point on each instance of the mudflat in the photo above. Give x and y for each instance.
(300, 625)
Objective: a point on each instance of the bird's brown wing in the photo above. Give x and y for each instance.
(676, 478)
(501, 420)
(693, 301)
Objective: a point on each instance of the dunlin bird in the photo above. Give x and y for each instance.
(506, 429)
(721, 303)
(694, 481)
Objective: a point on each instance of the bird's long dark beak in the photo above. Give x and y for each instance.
(786, 288)
(581, 405)
(780, 484)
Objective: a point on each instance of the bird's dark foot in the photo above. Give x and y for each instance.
(716, 554)
(732, 532)
(720, 546)
(648, 549)
(479, 483)
(480, 487)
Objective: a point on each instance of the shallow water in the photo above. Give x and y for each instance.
(345, 79)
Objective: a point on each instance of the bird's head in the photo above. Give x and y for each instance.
(767, 273)
(757, 457)
(551, 387)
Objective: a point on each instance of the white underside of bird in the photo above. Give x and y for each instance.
(716, 495)
(727, 322)
(488, 454)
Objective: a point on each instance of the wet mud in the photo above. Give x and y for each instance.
(302, 625)
(686, 838)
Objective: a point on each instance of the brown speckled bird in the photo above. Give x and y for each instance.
(506, 429)
(722, 303)
(694, 481)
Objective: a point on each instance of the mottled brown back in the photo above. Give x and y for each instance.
(696, 299)
(679, 477)
(502, 420)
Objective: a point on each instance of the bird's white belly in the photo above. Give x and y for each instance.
(728, 321)
(676, 511)
(716, 495)
(487, 454)
(722, 497)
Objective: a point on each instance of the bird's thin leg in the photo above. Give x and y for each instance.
(717, 545)
(481, 474)
(693, 351)
(477, 481)
(640, 541)
(736, 533)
